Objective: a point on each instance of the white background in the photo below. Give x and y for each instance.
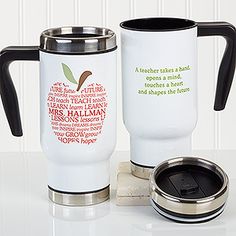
(22, 21)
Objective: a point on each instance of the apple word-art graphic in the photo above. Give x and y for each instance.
(77, 109)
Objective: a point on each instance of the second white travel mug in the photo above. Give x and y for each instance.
(159, 72)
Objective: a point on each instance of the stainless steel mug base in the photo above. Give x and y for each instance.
(78, 199)
(140, 171)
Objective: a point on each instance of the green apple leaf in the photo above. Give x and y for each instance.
(68, 73)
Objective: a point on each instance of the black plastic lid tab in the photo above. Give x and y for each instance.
(189, 190)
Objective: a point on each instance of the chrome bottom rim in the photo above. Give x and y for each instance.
(139, 171)
(78, 199)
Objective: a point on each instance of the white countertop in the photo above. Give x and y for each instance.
(25, 209)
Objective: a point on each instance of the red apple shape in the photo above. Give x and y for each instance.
(77, 113)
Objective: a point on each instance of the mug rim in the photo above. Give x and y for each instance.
(158, 24)
(77, 40)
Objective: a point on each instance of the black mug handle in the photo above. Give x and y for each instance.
(227, 66)
(7, 89)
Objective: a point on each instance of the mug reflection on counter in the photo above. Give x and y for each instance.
(64, 220)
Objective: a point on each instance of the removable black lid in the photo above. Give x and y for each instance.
(189, 181)
(188, 189)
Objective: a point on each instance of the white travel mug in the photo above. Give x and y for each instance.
(159, 70)
(77, 109)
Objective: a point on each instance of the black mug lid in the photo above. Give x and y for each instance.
(187, 189)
